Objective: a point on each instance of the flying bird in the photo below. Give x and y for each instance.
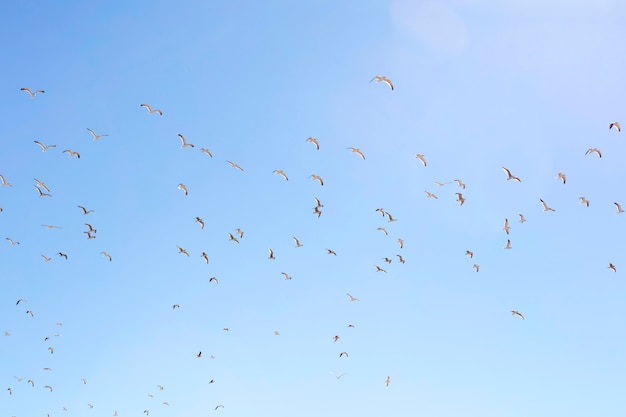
(85, 211)
(183, 251)
(387, 381)
(175, 306)
(106, 255)
(460, 184)
(615, 125)
(239, 232)
(205, 257)
(421, 158)
(298, 244)
(460, 199)
(331, 252)
(400, 259)
(386, 260)
(469, 253)
(383, 79)
(430, 195)
(521, 218)
(506, 226)
(317, 202)
(95, 136)
(517, 313)
(62, 255)
(316, 210)
(45, 258)
(199, 220)
(382, 229)
(379, 269)
(233, 238)
(476, 267)
(30, 92)
(50, 227)
(219, 406)
(271, 254)
(48, 387)
(281, 173)
(41, 193)
(91, 229)
(343, 353)
(184, 188)
(390, 218)
(584, 201)
(44, 148)
(287, 277)
(562, 177)
(511, 176)
(206, 151)
(612, 267)
(234, 165)
(545, 206)
(150, 111)
(41, 184)
(508, 244)
(619, 208)
(4, 183)
(357, 151)
(21, 300)
(184, 142)
(596, 150)
(352, 298)
(400, 242)
(318, 178)
(314, 142)
(13, 242)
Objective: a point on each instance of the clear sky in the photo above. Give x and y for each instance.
(478, 85)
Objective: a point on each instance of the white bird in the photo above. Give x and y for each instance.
(545, 206)
(430, 195)
(584, 201)
(4, 183)
(183, 251)
(150, 111)
(214, 279)
(612, 267)
(387, 381)
(357, 151)
(400, 259)
(510, 176)
(233, 238)
(281, 173)
(331, 252)
(206, 151)
(615, 125)
(85, 211)
(287, 277)
(506, 226)
(298, 244)
(95, 136)
(317, 178)
(352, 298)
(234, 165)
(460, 184)
(44, 148)
(382, 229)
(45, 258)
(517, 313)
(619, 208)
(508, 244)
(521, 218)
(184, 141)
(390, 219)
(562, 177)
(421, 158)
(199, 220)
(71, 153)
(41, 184)
(400, 242)
(379, 269)
(460, 198)
(271, 254)
(30, 92)
(106, 255)
(314, 142)
(476, 267)
(13, 242)
(205, 257)
(469, 253)
(596, 150)
(383, 79)
(184, 188)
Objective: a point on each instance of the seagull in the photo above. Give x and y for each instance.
(160, 387)
(387, 381)
(271, 254)
(84, 381)
(44, 148)
(517, 313)
(233, 238)
(460, 199)
(506, 226)
(616, 125)
(4, 183)
(21, 300)
(41, 184)
(315, 177)
(612, 267)
(331, 252)
(199, 220)
(383, 79)
(175, 306)
(199, 355)
(391, 219)
(41, 193)
(400, 259)
(421, 158)
(214, 279)
(508, 244)
(219, 406)
(400, 242)
(430, 195)
(31, 382)
(335, 338)
(511, 176)
(352, 298)
(287, 277)
(205, 257)
(469, 253)
(476, 267)
(48, 387)
(583, 200)
(619, 208)
(90, 405)
(316, 210)
(239, 232)
(381, 211)
(91, 229)
(13, 242)
(184, 142)
(183, 251)
(85, 211)
(206, 151)
(357, 151)
(106, 255)
(234, 165)
(596, 150)
(521, 218)
(314, 142)
(150, 111)
(440, 184)
(45, 258)
(382, 229)
(460, 184)
(62, 255)
(95, 137)
(71, 153)
(379, 269)
(184, 188)
(343, 353)
(51, 349)
(386, 260)
(30, 92)
(317, 202)
(166, 403)
(10, 391)
(49, 226)
(562, 177)
(545, 206)
(351, 325)
(298, 244)
(281, 173)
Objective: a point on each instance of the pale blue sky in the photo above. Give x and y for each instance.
(479, 85)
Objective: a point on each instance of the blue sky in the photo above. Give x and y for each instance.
(479, 85)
